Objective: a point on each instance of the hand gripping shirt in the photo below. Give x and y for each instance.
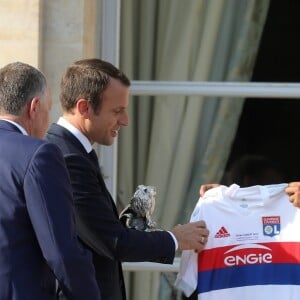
(253, 249)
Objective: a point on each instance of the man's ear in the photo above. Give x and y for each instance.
(33, 108)
(83, 108)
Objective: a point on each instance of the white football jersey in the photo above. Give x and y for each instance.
(253, 249)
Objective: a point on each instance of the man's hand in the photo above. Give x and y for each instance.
(191, 236)
(206, 187)
(293, 190)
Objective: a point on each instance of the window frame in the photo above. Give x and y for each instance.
(110, 49)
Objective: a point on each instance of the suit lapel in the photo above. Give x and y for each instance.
(69, 138)
(94, 158)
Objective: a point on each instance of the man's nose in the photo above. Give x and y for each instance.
(124, 120)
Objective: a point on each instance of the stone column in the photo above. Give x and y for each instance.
(20, 31)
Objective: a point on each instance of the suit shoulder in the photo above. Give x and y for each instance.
(40, 145)
(48, 148)
(46, 156)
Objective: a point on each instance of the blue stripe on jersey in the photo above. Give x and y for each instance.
(258, 274)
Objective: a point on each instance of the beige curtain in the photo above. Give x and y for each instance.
(177, 142)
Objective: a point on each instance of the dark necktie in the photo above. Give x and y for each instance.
(94, 158)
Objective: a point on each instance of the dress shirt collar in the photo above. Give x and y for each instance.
(77, 133)
(17, 125)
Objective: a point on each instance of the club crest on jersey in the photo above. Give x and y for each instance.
(271, 225)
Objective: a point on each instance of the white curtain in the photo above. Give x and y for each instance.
(176, 143)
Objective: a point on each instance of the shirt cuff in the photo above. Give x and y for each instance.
(174, 239)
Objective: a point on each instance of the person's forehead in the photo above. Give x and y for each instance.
(115, 85)
(116, 93)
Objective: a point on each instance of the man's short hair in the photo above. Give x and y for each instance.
(88, 79)
(19, 84)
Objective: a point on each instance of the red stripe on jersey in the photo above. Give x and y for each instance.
(247, 254)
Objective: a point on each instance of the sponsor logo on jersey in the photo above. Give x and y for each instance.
(248, 254)
(271, 225)
(251, 264)
(222, 233)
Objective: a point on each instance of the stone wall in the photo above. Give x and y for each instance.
(19, 31)
(48, 34)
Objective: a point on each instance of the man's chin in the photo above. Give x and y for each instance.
(107, 142)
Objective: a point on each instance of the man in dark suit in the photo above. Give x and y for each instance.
(94, 98)
(38, 240)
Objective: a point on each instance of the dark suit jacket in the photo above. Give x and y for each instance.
(37, 230)
(98, 224)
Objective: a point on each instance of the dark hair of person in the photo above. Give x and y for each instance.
(88, 79)
(254, 170)
(19, 84)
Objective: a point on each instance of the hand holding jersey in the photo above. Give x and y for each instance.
(293, 190)
(191, 236)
